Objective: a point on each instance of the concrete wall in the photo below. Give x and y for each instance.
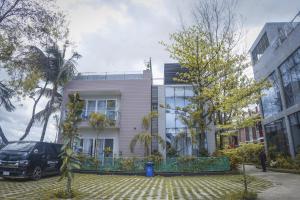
(135, 103)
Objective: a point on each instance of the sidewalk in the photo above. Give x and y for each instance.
(285, 186)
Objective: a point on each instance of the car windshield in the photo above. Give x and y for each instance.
(19, 146)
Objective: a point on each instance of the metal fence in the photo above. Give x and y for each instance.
(136, 165)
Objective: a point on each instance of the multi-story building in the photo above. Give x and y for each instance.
(125, 99)
(276, 57)
(253, 134)
(171, 96)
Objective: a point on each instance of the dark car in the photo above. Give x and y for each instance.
(28, 159)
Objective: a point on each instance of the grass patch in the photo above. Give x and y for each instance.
(241, 195)
(91, 186)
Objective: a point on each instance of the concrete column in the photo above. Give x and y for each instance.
(161, 117)
(289, 135)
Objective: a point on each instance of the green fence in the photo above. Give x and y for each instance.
(135, 165)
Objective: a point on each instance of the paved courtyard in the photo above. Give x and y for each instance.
(131, 187)
(285, 186)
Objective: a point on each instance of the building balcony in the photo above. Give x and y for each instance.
(113, 121)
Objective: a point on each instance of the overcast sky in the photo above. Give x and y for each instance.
(120, 35)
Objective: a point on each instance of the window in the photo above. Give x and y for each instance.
(295, 129)
(271, 100)
(276, 137)
(177, 137)
(260, 48)
(91, 107)
(107, 107)
(290, 73)
(104, 148)
(101, 106)
(51, 152)
(88, 146)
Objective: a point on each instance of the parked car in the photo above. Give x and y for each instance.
(28, 159)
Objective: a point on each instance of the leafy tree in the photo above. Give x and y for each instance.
(5, 100)
(23, 23)
(145, 137)
(214, 68)
(98, 121)
(69, 157)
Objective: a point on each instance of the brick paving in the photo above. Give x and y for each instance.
(105, 187)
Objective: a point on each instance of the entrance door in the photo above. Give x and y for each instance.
(105, 149)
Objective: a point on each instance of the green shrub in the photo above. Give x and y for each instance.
(62, 194)
(247, 153)
(127, 164)
(156, 158)
(285, 162)
(241, 195)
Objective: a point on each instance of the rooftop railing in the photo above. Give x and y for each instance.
(110, 76)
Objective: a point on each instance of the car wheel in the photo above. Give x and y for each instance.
(37, 173)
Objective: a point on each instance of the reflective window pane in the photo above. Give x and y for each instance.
(170, 119)
(290, 74)
(179, 102)
(169, 91)
(189, 91)
(170, 103)
(111, 104)
(179, 91)
(295, 129)
(91, 107)
(101, 106)
(276, 136)
(271, 100)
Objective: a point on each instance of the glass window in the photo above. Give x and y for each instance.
(260, 48)
(271, 100)
(111, 115)
(170, 102)
(170, 119)
(189, 91)
(179, 102)
(179, 122)
(290, 73)
(179, 91)
(295, 129)
(101, 106)
(111, 104)
(91, 107)
(19, 146)
(277, 137)
(88, 146)
(169, 91)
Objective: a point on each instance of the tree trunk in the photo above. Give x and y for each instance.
(33, 113)
(69, 187)
(221, 141)
(4, 139)
(48, 113)
(245, 179)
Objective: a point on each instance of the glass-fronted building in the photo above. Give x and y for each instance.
(276, 58)
(174, 96)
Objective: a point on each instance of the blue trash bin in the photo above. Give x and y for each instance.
(149, 169)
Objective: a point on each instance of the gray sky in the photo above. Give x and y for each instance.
(120, 35)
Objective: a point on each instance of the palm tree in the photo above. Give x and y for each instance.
(56, 71)
(5, 95)
(145, 137)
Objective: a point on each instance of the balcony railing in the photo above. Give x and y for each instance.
(113, 122)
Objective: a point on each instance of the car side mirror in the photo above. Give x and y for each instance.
(35, 151)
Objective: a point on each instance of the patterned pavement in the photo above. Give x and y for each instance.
(131, 187)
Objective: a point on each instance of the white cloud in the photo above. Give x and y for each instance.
(118, 36)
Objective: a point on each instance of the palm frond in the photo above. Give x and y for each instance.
(5, 95)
